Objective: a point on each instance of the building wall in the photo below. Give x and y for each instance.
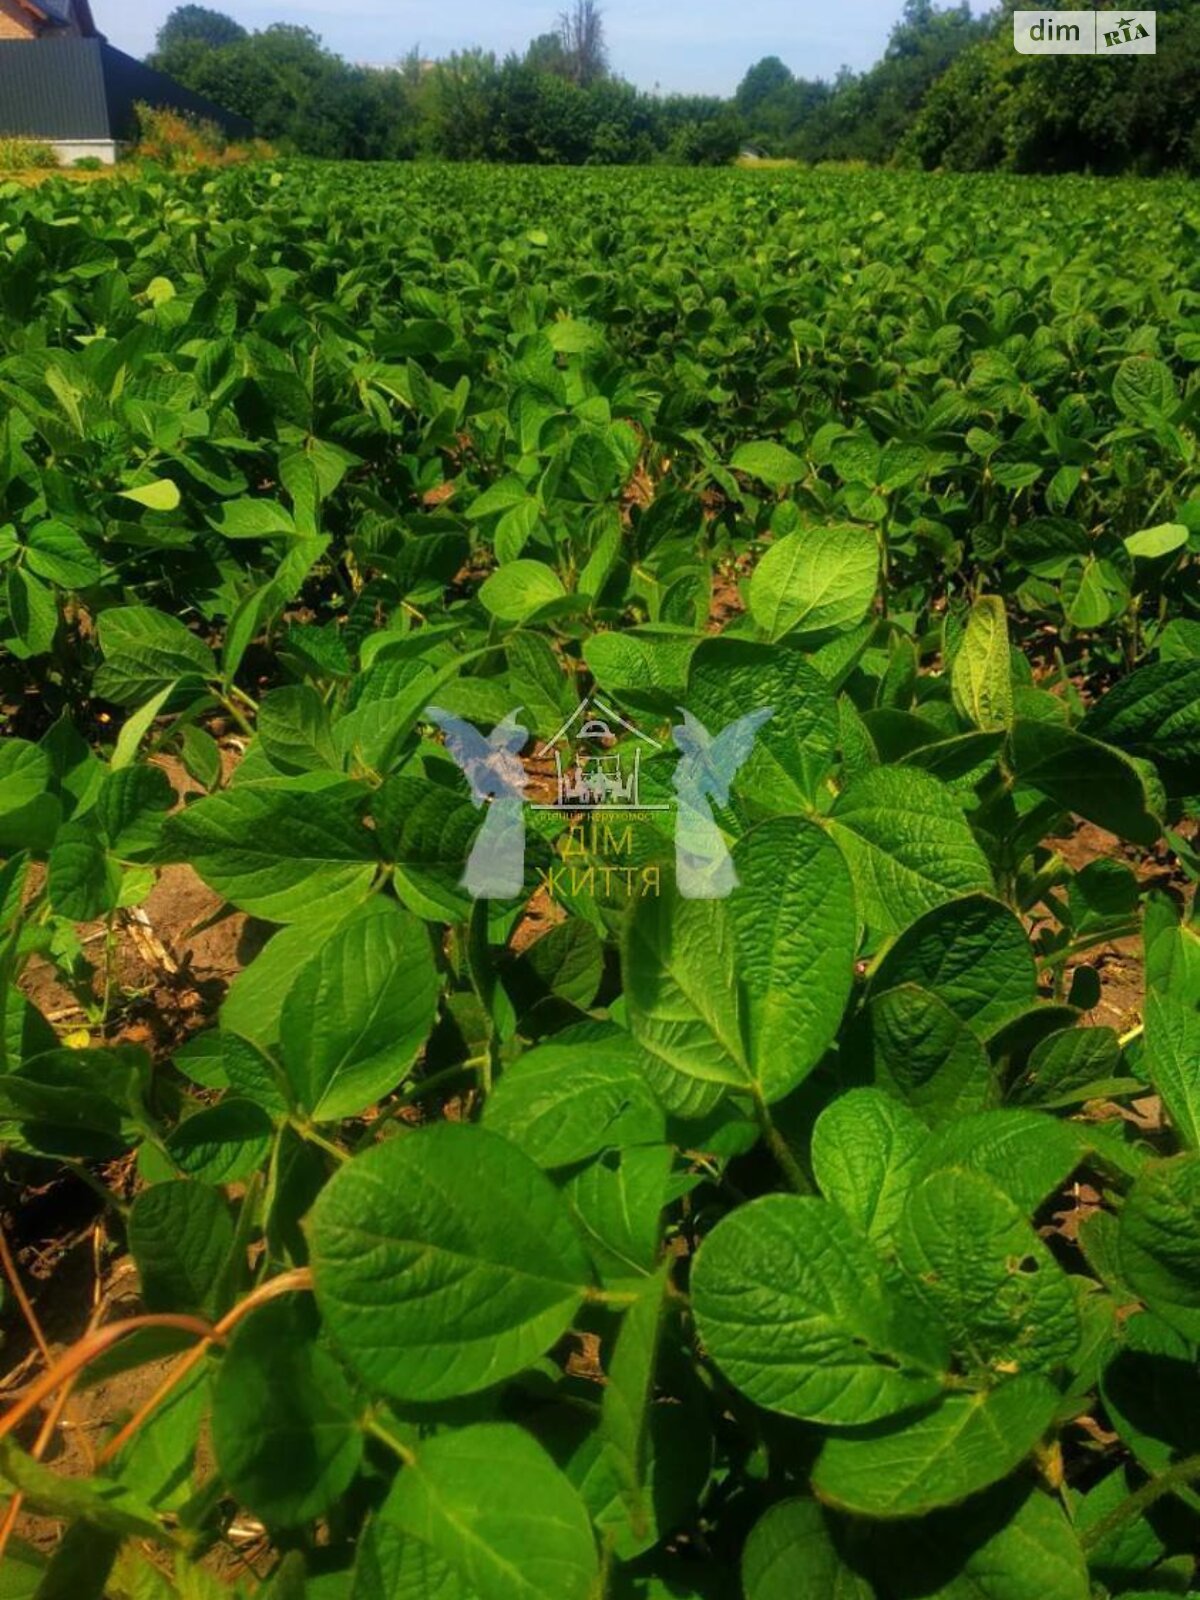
(15, 21)
(72, 150)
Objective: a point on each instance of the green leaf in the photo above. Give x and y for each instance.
(159, 495)
(201, 755)
(644, 666)
(426, 831)
(617, 1202)
(60, 555)
(32, 613)
(1082, 775)
(796, 935)
(293, 729)
(791, 1555)
(540, 684)
(181, 1235)
(1173, 1061)
(792, 1305)
(1151, 1393)
(864, 1156)
(482, 1514)
(912, 1045)
(1027, 1153)
(138, 724)
(566, 962)
(680, 966)
(1087, 602)
(907, 844)
(357, 1014)
(253, 519)
(82, 883)
(972, 953)
(444, 1261)
(1070, 1066)
(224, 1143)
(816, 581)
(506, 495)
(29, 814)
(774, 465)
(626, 1415)
(145, 651)
(1012, 1543)
(1151, 544)
(1159, 1241)
(516, 592)
(981, 678)
(579, 1093)
(130, 807)
(285, 1425)
(254, 1003)
(1144, 390)
(974, 1260)
(96, 1501)
(1155, 711)
(278, 852)
(951, 1450)
(794, 751)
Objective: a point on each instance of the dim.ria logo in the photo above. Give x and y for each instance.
(1085, 33)
(597, 756)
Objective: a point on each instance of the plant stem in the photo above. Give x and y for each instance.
(247, 700)
(614, 1299)
(434, 1084)
(308, 1132)
(1183, 1472)
(374, 1429)
(236, 713)
(779, 1147)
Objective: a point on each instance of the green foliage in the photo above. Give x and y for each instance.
(26, 155)
(598, 1240)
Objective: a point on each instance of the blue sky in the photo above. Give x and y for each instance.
(686, 45)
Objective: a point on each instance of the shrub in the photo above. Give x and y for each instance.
(88, 164)
(175, 140)
(26, 155)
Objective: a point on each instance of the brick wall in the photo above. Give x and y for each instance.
(15, 21)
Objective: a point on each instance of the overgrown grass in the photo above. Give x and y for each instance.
(183, 143)
(26, 155)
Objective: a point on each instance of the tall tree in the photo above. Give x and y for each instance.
(763, 81)
(198, 25)
(581, 30)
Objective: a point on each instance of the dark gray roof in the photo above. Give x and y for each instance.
(53, 89)
(84, 89)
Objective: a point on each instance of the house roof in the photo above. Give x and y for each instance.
(59, 12)
(84, 89)
(53, 90)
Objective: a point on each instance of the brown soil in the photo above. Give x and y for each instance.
(727, 602)
(1119, 963)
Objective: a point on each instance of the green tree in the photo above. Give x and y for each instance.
(191, 25)
(765, 81)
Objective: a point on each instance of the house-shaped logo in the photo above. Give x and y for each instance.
(598, 768)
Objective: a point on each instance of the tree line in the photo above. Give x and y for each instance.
(949, 91)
